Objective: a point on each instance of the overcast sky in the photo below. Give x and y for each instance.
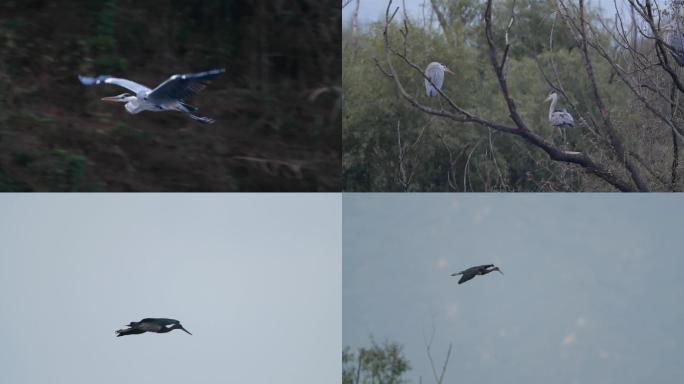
(256, 278)
(592, 291)
(373, 10)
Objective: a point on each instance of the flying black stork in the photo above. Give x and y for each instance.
(474, 271)
(151, 325)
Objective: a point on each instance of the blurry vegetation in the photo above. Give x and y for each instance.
(278, 104)
(378, 364)
(443, 155)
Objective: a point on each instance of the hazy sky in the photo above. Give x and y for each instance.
(256, 278)
(592, 291)
(372, 10)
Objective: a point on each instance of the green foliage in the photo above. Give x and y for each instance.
(125, 132)
(10, 184)
(377, 364)
(68, 170)
(17, 23)
(104, 42)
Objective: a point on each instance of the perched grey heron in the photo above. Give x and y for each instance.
(167, 96)
(675, 39)
(151, 325)
(560, 118)
(474, 271)
(435, 72)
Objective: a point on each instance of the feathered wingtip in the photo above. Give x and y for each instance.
(213, 72)
(210, 74)
(85, 80)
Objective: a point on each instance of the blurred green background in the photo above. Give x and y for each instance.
(277, 106)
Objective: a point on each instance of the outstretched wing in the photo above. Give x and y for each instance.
(130, 85)
(129, 331)
(466, 277)
(178, 87)
(160, 321)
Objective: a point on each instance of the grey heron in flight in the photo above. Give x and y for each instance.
(151, 325)
(167, 96)
(435, 72)
(560, 118)
(474, 271)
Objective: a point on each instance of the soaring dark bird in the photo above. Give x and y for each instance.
(474, 271)
(151, 325)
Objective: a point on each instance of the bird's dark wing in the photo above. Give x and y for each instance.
(178, 87)
(466, 277)
(124, 83)
(469, 270)
(129, 331)
(160, 321)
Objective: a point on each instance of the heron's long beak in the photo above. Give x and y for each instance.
(448, 70)
(548, 99)
(499, 271)
(186, 331)
(113, 99)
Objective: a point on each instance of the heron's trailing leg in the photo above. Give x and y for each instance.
(202, 119)
(564, 140)
(190, 110)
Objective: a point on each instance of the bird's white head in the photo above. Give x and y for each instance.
(122, 98)
(552, 96)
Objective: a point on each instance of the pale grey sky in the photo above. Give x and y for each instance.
(592, 291)
(373, 10)
(255, 277)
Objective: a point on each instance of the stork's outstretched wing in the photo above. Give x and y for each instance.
(466, 277)
(130, 85)
(128, 331)
(160, 321)
(178, 87)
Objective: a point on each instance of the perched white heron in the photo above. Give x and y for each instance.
(561, 118)
(168, 96)
(435, 72)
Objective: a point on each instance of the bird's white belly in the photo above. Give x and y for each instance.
(139, 106)
(134, 106)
